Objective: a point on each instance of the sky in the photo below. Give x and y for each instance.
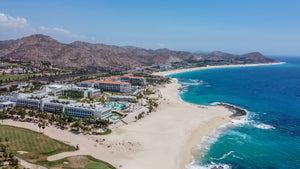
(271, 27)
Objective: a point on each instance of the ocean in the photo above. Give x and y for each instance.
(269, 136)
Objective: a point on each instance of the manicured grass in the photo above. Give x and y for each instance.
(108, 131)
(15, 77)
(117, 114)
(36, 144)
(88, 162)
(70, 98)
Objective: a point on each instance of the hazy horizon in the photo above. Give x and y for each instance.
(230, 26)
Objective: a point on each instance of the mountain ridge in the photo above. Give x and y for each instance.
(84, 55)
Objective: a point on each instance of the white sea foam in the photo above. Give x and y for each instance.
(242, 121)
(225, 155)
(204, 146)
(193, 82)
(264, 126)
(235, 156)
(209, 166)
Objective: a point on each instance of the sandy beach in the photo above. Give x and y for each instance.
(162, 140)
(164, 73)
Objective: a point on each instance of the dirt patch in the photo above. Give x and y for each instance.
(74, 162)
(22, 152)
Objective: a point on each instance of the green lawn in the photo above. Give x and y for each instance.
(15, 77)
(69, 98)
(36, 144)
(117, 114)
(76, 162)
(108, 131)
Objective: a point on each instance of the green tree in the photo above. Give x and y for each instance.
(43, 127)
(2, 115)
(40, 125)
(5, 155)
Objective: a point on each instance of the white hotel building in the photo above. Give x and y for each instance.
(53, 105)
(112, 86)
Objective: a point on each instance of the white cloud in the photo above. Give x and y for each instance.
(160, 45)
(9, 21)
(44, 28)
(62, 30)
(17, 27)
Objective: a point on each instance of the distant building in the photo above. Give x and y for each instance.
(18, 71)
(164, 66)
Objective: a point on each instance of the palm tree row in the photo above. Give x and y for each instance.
(62, 120)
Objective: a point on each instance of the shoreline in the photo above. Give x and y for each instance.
(169, 72)
(163, 139)
(193, 140)
(172, 129)
(197, 135)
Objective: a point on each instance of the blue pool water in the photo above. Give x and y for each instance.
(269, 137)
(118, 106)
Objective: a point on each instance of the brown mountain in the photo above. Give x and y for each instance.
(85, 55)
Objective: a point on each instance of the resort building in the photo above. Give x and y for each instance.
(81, 110)
(71, 91)
(6, 105)
(75, 109)
(134, 80)
(105, 85)
(52, 104)
(53, 107)
(54, 89)
(28, 101)
(123, 98)
(120, 84)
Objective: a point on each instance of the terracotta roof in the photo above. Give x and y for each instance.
(113, 82)
(129, 74)
(90, 81)
(136, 77)
(110, 80)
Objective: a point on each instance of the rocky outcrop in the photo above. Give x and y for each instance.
(235, 110)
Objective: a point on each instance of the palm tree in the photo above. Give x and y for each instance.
(5, 155)
(77, 125)
(2, 115)
(16, 162)
(40, 125)
(22, 114)
(51, 118)
(11, 155)
(31, 113)
(43, 126)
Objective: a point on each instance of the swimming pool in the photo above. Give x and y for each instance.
(116, 106)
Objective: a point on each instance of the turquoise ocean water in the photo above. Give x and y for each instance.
(269, 136)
